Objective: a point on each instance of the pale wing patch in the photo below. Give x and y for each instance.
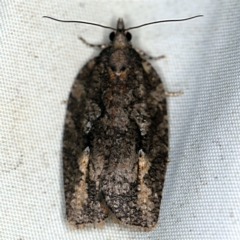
(80, 196)
(143, 202)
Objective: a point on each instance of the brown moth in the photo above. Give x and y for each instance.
(115, 141)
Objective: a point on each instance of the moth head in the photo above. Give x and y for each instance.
(120, 30)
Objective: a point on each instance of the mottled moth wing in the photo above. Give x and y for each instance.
(83, 206)
(115, 166)
(115, 144)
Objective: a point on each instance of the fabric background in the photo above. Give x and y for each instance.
(39, 61)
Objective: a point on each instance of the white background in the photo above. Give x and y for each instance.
(39, 61)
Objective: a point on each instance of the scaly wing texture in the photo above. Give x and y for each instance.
(83, 206)
(115, 144)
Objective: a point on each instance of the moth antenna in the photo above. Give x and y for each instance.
(70, 21)
(162, 21)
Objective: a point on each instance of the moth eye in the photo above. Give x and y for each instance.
(114, 69)
(123, 69)
(128, 36)
(112, 36)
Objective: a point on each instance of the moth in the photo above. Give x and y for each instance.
(115, 140)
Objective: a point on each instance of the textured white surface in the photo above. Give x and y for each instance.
(39, 61)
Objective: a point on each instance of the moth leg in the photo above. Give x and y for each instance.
(100, 46)
(146, 56)
(173, 94)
